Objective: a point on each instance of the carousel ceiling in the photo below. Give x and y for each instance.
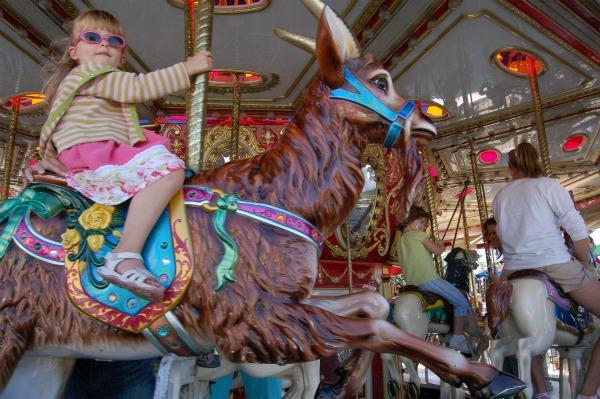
(440, 51)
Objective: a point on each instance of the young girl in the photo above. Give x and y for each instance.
(94, 129)
(414, 253)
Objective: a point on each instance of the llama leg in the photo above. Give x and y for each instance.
(335, 333)
(361, 304)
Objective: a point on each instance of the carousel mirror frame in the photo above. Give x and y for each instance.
(374, 236)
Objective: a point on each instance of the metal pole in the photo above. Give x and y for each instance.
(349, 248)
(10, 145)
(481, 205)
(202, 21)
(431, 205)
(235, 124)
(474, 303)
(539, 116)
(465, 224)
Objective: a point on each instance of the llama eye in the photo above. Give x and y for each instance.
(381, 83)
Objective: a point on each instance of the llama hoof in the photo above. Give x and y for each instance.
(333, 391)
(328, 391)
(502, 386)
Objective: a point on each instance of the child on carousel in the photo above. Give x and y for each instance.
(93, 135)
(414, 253)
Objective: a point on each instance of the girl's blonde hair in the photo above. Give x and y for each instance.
(524, 158)
(89, 20)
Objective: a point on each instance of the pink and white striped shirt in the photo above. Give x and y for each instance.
(103, 108)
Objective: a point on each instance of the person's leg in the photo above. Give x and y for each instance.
(112, 380)
(459, 324)
(79, 385)
(462, 308)
(219, 389)
(588, 296)
(144, 210)
(261, 388)
(537, 374)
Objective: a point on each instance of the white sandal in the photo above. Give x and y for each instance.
(132, 280)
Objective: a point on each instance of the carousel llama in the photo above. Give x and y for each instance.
(249, 263)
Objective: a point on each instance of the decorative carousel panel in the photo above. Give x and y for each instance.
(480, 86)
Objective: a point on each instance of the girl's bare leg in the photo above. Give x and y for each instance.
(144, 210)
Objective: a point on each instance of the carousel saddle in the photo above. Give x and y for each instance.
(92, 231)
(568, 315)
(437, 307)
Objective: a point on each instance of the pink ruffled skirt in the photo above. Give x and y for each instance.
(110, 173)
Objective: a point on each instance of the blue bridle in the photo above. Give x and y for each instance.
(364, 97)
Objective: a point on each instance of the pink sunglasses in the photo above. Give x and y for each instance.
(90, 36)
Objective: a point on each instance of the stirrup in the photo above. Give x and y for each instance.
(132, 280)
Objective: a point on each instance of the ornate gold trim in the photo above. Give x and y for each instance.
(222, 10)
(218, 141)
(508, 71)
(488, 14)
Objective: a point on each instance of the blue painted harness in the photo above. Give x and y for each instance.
(363, 96)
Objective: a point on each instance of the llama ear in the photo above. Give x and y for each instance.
(335, 46)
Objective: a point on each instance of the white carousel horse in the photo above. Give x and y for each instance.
(407, 314)
(530, 329)
(180, 378)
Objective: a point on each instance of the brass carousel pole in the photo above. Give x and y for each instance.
(481, 205)
(235, 124)
(474, 303)
(465, 225)
(198, 38)
(431, 205)
(349, 266)
(539, 116)
(10, 145)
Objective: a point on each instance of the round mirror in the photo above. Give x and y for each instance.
(359, 220)
(362, 225)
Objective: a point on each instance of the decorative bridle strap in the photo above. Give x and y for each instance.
(168, 335)
(364, 97)
(200, 196)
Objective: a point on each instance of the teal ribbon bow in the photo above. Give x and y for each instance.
(13, 210)
(227, 204)
(45, 200)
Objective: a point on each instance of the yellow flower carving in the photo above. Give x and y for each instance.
(70, 238)
(95, 242)
(96, 217)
